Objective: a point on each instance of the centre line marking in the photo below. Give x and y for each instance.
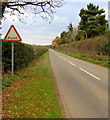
(71, 63)
(89, 74)
(65, 59)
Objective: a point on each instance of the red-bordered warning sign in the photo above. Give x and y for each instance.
(12, 35)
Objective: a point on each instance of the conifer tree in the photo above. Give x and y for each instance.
(93, 20)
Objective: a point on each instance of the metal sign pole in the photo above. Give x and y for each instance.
(12, 59)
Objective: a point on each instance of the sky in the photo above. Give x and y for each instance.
(41, 32)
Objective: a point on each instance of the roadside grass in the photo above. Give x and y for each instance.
(33, 95)
(99, 60)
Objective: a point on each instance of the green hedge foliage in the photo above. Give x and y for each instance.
(23, 54)
(105, 48)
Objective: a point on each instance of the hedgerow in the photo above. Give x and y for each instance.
(23, 54)
(94, 46)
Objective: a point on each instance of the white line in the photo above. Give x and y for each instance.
(60, 56)
(89, 73)
(65, 59)
(71, 63)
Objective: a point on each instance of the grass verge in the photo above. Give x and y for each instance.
(99, 60)
(33, 95)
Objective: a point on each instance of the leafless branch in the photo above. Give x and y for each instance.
(47, 7)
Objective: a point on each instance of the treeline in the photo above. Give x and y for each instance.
(23, 54)
(93, 23)
(66, 36)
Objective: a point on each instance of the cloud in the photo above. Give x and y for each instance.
(61, 19)
(40, 32)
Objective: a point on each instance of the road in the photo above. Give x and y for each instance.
(82, 86)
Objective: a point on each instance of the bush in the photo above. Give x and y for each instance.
(105, 48)
(39, 50)
(7, 81)
(23, 54)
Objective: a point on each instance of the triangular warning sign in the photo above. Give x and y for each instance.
(12, 35)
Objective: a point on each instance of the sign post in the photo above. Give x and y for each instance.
(12, 59)
(12, 36)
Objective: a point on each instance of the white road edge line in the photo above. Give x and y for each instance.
(89, 74)
(71, 63)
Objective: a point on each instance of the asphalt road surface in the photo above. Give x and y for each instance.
(82, 86)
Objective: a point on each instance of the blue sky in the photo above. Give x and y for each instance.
(40, 32)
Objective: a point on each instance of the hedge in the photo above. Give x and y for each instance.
(23, 54)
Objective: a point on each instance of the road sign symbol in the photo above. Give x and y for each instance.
(12, 35)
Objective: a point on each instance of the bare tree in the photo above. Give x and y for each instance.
(44, 8)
